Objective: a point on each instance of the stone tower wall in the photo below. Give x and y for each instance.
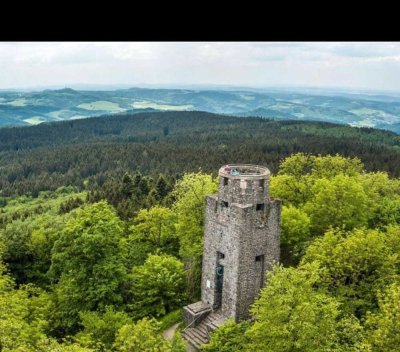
(242, 222)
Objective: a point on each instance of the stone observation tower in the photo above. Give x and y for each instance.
(241, 243)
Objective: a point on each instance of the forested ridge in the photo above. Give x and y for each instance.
(101, 232)
(49, 156)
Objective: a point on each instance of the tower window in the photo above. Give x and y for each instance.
(260, 258)
(225, 181)
(260, 206)
(220, 255)
(261, 183)
(224, 204)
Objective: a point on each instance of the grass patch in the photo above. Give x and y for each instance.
(143, 104)
(101, 105)
(34, 120)
(48, 200)
(78, 117)
(171, 319)
(60, 114)
(18, 102)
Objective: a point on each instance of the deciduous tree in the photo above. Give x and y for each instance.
(158, 286)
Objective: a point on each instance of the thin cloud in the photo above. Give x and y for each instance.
(324, 64)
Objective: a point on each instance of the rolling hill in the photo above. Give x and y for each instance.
(30, 108)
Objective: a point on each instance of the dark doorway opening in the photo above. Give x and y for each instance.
(219, 281)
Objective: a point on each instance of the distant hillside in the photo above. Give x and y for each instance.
(48, 156)
(30, 108)
(394, 128)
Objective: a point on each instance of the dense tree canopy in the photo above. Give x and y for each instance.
(340, 235)
(88, 263)
(102, 149)
(291, 315)
(382, 327)
(143, 336)
(156, 226)
(94, 269)
(357, 265)
(158, 286)
(190, 193)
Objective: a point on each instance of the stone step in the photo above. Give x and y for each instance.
(194, 337)
(212, 317)
(203, 329)
(199, 335)
(213, 325)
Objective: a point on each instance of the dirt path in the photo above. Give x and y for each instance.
(169, 333)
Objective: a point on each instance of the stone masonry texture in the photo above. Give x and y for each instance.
(241, 240)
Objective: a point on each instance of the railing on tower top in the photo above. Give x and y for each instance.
(244, 170)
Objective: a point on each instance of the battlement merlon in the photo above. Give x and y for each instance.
(243, 184)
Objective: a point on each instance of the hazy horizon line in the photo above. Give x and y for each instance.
(220, 86)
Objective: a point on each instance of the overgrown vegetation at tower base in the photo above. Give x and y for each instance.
(77, 277)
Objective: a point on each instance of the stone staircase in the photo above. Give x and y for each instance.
(200, 334)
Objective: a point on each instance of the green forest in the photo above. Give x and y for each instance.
(101, 232)
(93, 152)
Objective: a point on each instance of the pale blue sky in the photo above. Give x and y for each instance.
(328, 64)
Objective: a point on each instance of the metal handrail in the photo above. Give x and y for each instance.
(260, 170)
(194, 320)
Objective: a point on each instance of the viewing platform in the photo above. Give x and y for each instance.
(244, 171)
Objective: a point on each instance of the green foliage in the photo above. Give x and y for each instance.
(3, 202)
(297, 165)
(382, 327)
(320, 192)
(178, 344)
(356, 265)
(299, 172)
(30, 228)
(53, 346)
(162, 187)
(190, 193)
(338, 202)
(28, 244)
(137, 251)
(156, 226)
(22, 320)
(295, 233)
(170, 319)
(100, 329)
(386, 212)
(100, 151)
(384, 194)
(144, 336)
(128, 187)
(293, 315)
(229, 337)
(292, 189)
(340, 222)
(130, 194)
(158, 286)
(70, 204)
(88, 262)
(330, 166)
(15, 238)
